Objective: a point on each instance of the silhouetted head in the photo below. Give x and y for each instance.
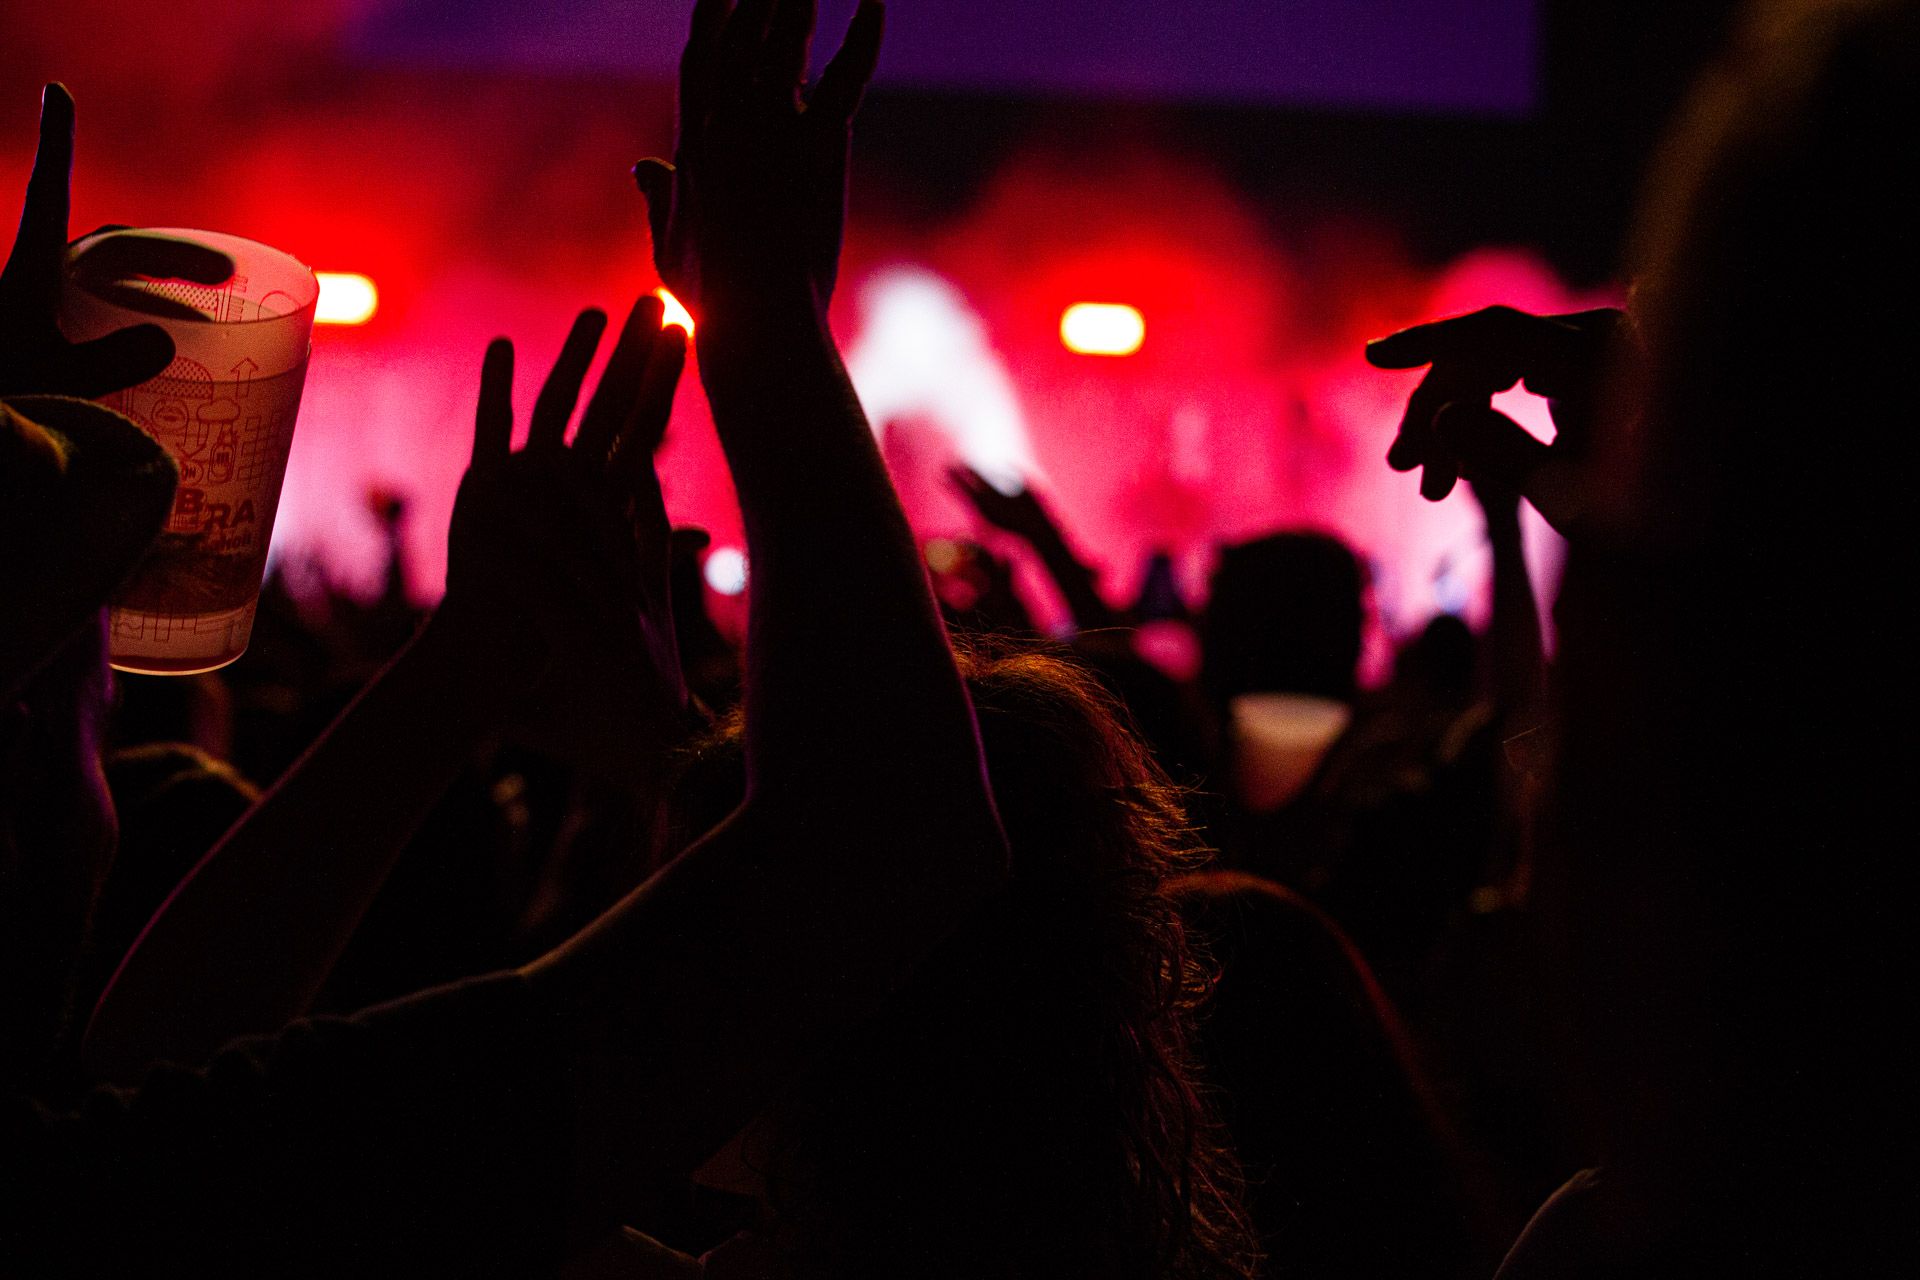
(1733, 667)
(1285, 615)
(1439, 661)
(1026, 1107)
(57, 833)
(83, 494)
(1334, 1118)
(173, 802)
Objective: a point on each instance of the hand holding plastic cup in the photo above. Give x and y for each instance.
(224, 409)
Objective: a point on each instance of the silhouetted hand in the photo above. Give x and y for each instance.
(758, 186)
(1023, 515)
(1450, 427)
(560, 556)
(1019, 513)
(34, 357)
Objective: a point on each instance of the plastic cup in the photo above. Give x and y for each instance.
(225, 410)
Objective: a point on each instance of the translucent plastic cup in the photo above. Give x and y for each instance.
(225, 410)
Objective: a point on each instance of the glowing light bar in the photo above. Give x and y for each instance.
(345, 298)
(1102, 329)
(726, 570)
(673, 313)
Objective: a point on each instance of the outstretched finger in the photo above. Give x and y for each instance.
(783, 59)
(697, 62)
(1414, 440)
(737, 55)
(654, 178)
(1494, 345)
(1491, 444)
(134, 298)
(970, 484)
(121, 359)
(1407, 348)
(620, 381)
(493, 421)
(126, 254)
(39, 251)
(1477, 333)
(562, 390)
(1439, 474)
(709, 20)
(844, 82)
(646, 426)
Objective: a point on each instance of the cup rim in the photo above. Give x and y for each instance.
(203, 236)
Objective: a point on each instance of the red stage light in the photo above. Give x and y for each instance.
(673, 312)
(345, 298)
(1102, 329)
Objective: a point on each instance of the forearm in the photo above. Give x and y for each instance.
(246, 941)
(427, 1137)
(867, 828)
(1077, 582)
(846, 652)
(692, 1002)
(1518, 654)
(789, 421)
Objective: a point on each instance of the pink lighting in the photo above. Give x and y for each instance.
(1252, 409)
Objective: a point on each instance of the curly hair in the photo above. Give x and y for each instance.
(1028, 1106)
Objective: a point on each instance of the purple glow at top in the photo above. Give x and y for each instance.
(1465, 56)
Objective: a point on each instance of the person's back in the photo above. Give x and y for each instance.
(1027, 1105)
(1352, 1167)
(1713, 876)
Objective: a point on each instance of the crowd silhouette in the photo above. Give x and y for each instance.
(551, 931)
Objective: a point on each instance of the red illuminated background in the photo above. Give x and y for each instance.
(1260, 241)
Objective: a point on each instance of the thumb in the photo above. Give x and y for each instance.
(1492, 446)
(121, 359)
(1488, 443)
(654, 178)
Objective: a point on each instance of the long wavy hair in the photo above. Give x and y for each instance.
(1028, 1106)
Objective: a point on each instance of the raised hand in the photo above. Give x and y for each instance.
(559, 554)
(556, 626)
(1450, 426)
(757, 189)
(1017, 513)
(1023, 515)
(34, 357)
(867, 826)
